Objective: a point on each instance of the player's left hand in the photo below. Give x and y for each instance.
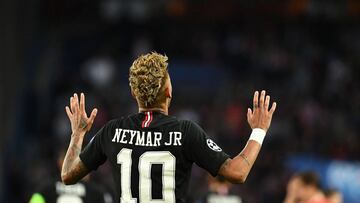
(80, 122)
(261, 115)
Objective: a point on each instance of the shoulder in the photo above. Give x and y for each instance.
(186, 122)
(189, 125)
(106, 129)
(114, 122)
(191, 129)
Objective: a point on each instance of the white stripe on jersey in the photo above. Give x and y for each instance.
(148, 119)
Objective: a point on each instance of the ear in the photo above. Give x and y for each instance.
(133, 94)
(168, 93)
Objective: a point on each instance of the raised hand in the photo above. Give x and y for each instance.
(260, 116)
(80, 122)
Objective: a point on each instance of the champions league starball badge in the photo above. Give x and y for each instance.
(212, 145)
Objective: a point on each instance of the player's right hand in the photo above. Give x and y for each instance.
(80, 122)
(260, 116)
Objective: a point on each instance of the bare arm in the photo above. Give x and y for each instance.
(73, 169)
(237, 169)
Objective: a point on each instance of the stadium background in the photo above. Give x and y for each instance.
(304, 52)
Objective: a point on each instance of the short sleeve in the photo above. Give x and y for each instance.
(93, 154)
(202, 150)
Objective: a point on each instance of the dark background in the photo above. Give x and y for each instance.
(304, 52)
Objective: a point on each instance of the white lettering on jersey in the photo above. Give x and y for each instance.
(174, 139)
(140, 140)
(149, 138)
(177, 138)
(124, 136)
(157, 139)
(133, 133)
(117, 135)
(170, 139)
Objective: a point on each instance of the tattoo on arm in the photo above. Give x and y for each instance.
(245, 159)
(77, 172)
(224, 167)
(73, 169)
(237, 169)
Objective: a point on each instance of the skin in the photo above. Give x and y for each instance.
(73, 169)
(234, 170)
(298, 192)
(335, 198)
(293, 190)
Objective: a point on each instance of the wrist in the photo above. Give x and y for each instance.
(258, 135)
(77, 140)
(78, 134)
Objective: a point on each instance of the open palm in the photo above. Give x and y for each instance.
(260, 116)
(79, 120)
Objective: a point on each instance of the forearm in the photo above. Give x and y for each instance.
(247, 157)
(237, 169)
(73, 169)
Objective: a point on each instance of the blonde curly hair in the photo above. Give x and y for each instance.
(147, 78)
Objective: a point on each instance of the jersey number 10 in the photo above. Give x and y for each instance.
(146, 160)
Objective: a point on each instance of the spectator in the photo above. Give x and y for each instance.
(304, 187)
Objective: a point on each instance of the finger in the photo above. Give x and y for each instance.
(92, 116)
(273, 108)
(76, 103)
(82, 102)
(68, 112)
(249, 114)
(256, 100)
(262, 98)
(267, 102)
(72, 106)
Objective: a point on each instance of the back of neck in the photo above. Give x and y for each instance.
(159, 109)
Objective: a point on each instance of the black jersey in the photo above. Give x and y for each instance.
(151, 156)
(82, 192)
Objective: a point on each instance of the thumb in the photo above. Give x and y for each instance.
(92, 116)
(91, 119)
(249, 113)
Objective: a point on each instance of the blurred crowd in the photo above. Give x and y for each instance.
(309, 66)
